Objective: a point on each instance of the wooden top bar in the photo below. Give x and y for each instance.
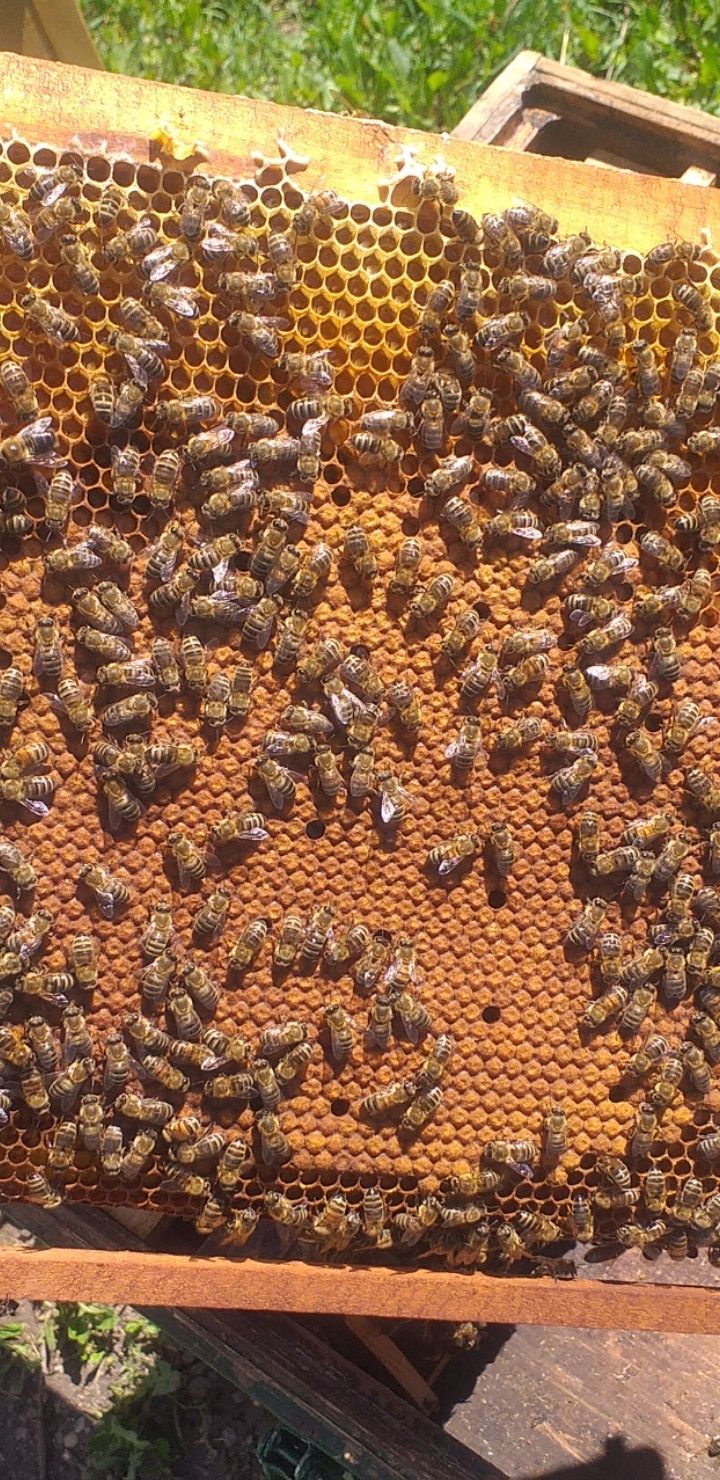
(74, 108)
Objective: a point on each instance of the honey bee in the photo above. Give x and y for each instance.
(473, 419)
(476, 678)
(375, 451)
(451, 473)
(110, 894)
(341, 1030)
(15, 231)
(434, 1065)
(66, 1089)
(370, 966)
(447, 856)
(583, 932)
(549, 568)
(404, 703)
(464, 750)
(33, 444)
(50, 321)
(158, 933)
(318, 932)
(379, 1026)
(516, 735)
(703, 790)
(696, 1068)
(211, 917)
(181, 1010)
(17, 867)
(277, 780)
(358, 552)
(189, 860)
(17, 386)
(48, 655)
(458, 514)
(289, 941)
(659, 549)
(568, 782)
(274, 1146)
(320, 205)
(61, 1155)
(432, 424)
(214, 705)
(421, 1110)
(326, 771)
(612, 1002)
(38, 1191)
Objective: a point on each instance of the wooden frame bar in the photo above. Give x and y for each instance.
(179, 1279)
(73, 108)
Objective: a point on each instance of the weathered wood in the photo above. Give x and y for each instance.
(548, 1401)
(53, 29)
(64, 105)
(643, 130)
(385, 1351)
(281, 1365)
(181, 1279)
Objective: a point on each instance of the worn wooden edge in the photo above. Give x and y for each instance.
(500, 105)
(595, 98)
(532, 80)
(126, 1276)
(74, 108)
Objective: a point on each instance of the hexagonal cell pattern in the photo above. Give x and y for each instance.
(366, 290)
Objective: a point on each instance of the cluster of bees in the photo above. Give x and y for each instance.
(543, 454)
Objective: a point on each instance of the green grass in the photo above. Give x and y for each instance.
(416, 62)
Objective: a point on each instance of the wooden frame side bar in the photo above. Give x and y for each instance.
(118, 1276)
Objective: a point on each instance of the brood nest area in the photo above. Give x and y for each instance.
(359, 836)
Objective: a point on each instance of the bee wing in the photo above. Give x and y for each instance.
(500, 685)
(528, 534)
(581, 620)
(141, 673)
(258, 834)
(451, 750)
(136, 370)
(598, 672)
(38, 809)
(105, 903)
(159, 264)
(388, 808)
(448, 864)
(263, 637)
(182, 301)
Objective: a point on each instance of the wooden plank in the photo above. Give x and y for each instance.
(288, 1370)
(53, 29)
(62, 104)
(549, 1402)
(498, 108)
(649, 131)
(388, 1354)
(593, 99)
(181, 1279)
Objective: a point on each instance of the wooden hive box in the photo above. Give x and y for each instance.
(496, 979)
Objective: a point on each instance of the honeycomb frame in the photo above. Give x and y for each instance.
(520, 1027)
